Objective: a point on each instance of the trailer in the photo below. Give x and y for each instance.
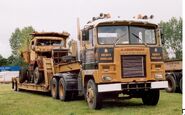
(173, 70)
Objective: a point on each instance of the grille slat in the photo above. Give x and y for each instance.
(133, 66)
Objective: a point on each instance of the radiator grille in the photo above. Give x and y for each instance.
(133, 66)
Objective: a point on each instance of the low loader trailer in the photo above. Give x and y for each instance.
(115, 57)
(45, 86)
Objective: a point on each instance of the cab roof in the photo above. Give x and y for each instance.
(111, 21)
(64, 35)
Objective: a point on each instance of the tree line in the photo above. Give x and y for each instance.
(172, 32)
(19, 41)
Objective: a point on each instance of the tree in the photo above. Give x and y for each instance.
(3, 61)
(20, 40)
(15, 41)
(15, 61)
(172, 31)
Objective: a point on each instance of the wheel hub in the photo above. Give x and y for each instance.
(90, 95)
(53, 89)
(36, 75)
(61, 90)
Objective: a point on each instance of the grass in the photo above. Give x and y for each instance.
(27, 103)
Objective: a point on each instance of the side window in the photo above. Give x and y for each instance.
(85, 35)
(91, 37)
(32, 45)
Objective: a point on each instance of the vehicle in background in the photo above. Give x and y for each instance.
(173, 69)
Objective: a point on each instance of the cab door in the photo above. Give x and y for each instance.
(88, 50)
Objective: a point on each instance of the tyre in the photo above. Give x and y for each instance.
(64, 95)
(151, 97)
(23, 75)
(54, 88)
(31, 75)
(171, 83)
(38, 76)
(92, 96)
(180, 85)
(14, 85)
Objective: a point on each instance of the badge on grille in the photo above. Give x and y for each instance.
(155, 50)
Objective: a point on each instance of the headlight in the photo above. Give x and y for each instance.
(158, 76)
(106, 78)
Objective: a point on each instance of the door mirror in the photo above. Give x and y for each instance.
(162, 37)
(85, 35)
(32, 45)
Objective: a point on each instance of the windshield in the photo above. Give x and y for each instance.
(43, 42)
(125, 35)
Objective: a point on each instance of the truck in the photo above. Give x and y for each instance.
(114, 57)
(46, 53)
(173, 69)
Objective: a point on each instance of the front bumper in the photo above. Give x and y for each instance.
(132, 86)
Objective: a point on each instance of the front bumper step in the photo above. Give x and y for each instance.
(131, 86)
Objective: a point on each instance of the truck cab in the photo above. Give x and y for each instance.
(121, 56)
(43, 45)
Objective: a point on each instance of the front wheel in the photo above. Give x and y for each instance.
(151, 97)
(38, 76)
(23, 75)
(93, 97)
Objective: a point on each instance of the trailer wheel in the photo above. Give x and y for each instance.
(180, 84)
(151, 97)
(93, 97)
(64, 95)
(38, 76)
(14, 85)
(54, 88)
(22, 75)
(171, 83)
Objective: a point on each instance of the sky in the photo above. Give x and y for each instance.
(60, 15)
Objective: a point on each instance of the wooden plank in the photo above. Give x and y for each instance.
(173, 65)
(67, 67)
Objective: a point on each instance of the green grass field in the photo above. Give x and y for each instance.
(27, 103)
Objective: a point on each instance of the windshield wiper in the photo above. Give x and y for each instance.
(119, 39)
(139, 38)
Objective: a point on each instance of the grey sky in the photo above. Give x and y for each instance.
(59, 15)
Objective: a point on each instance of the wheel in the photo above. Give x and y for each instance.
(151, 97)
(54, 88)
(38, 76)
(64, 95)
(14, 86)
(93, 97)
(171, 83)
(31, 74)
(180, 85)
(23, 75)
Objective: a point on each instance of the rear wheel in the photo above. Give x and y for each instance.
(64, 95)
(54, 88)
(38, 76)
(151, 97)
(92, 96)
(171, 83)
